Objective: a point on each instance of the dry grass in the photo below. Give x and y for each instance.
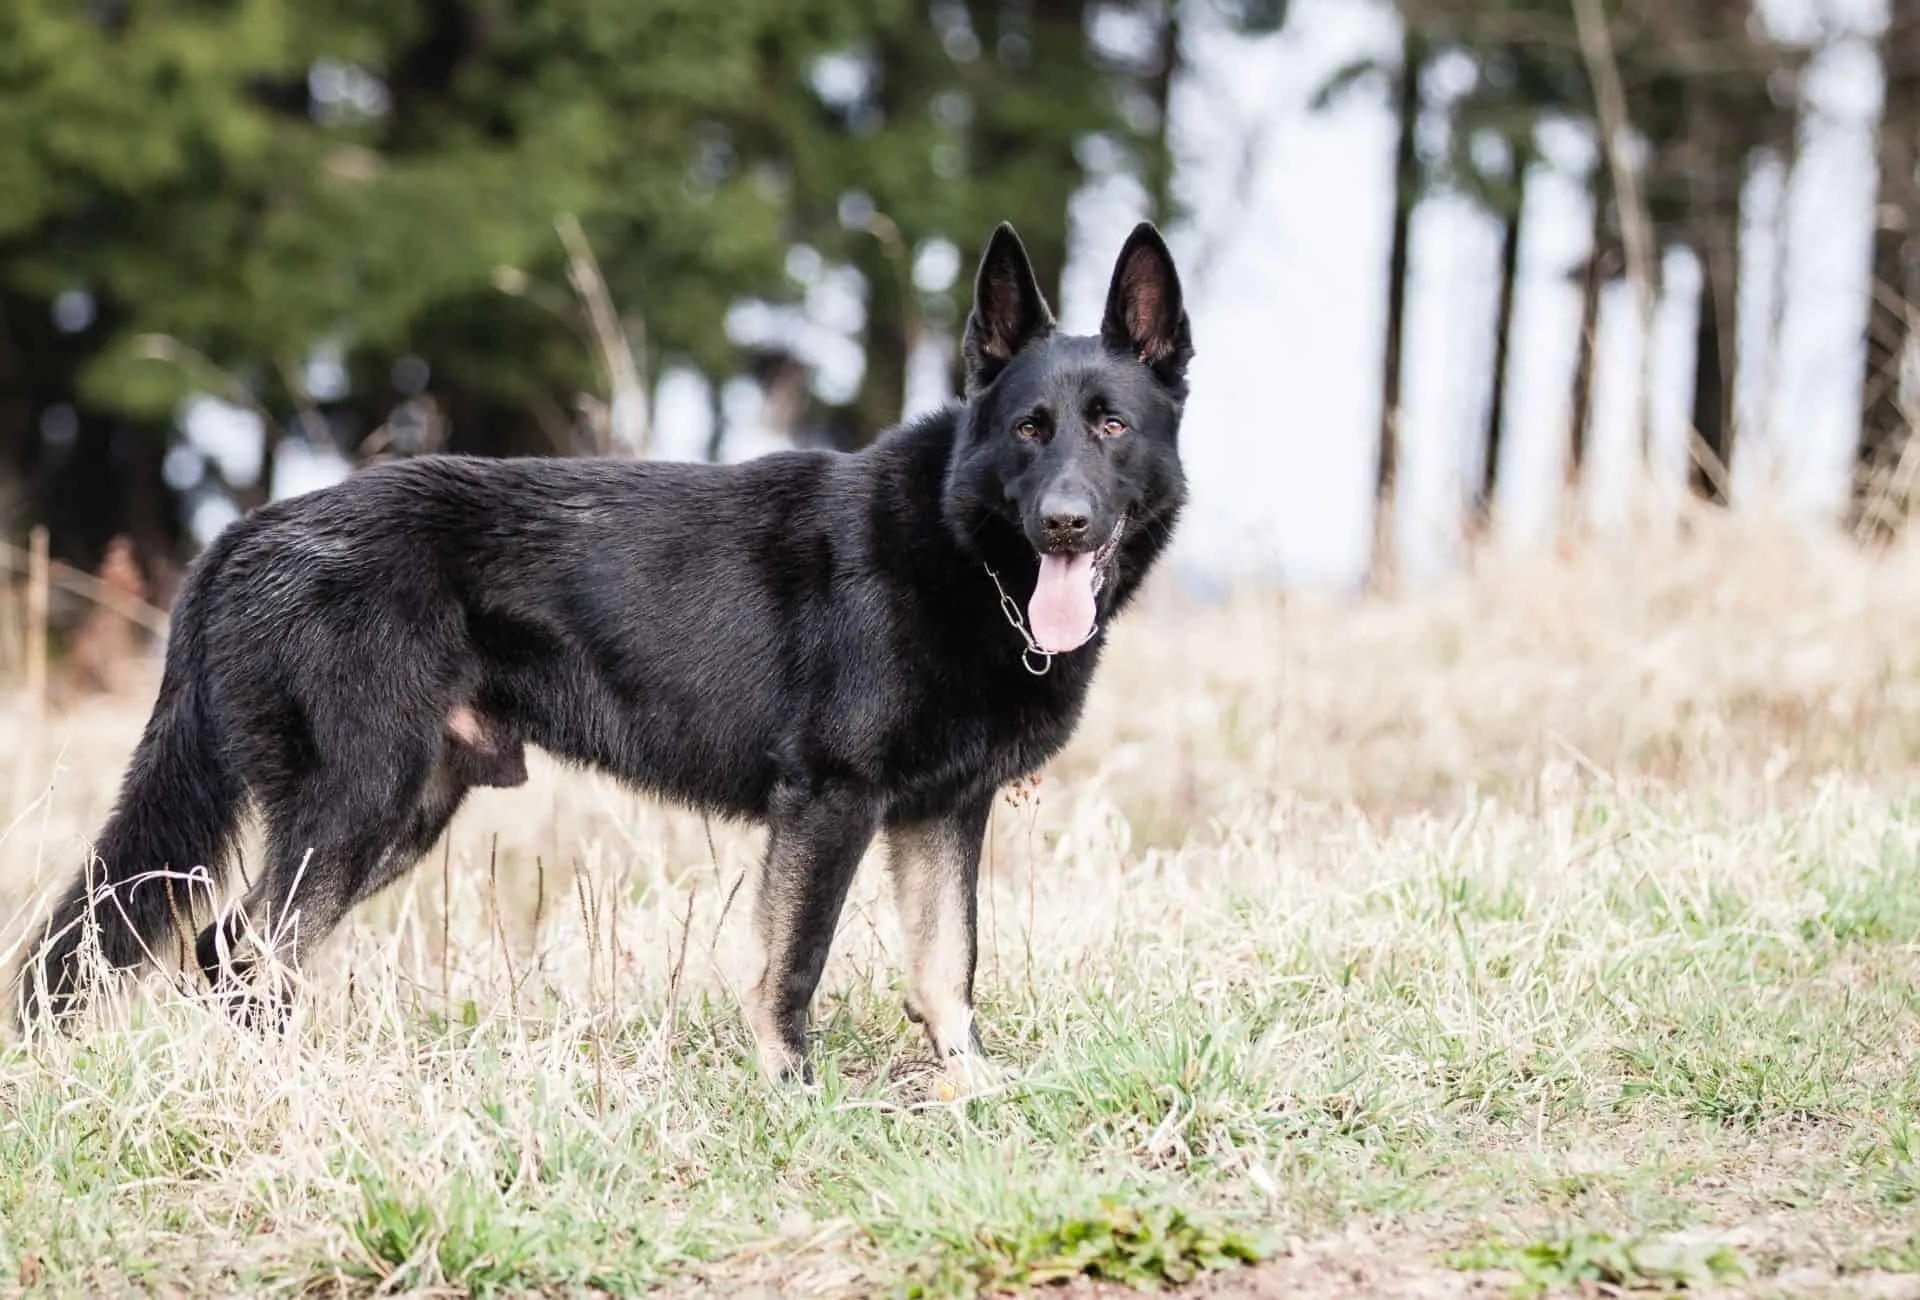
(1561, 924)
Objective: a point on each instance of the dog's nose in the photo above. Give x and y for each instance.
(1066, 517)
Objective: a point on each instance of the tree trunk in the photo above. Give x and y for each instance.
(883, 389)
(1713, 218)
(19, 438)
(1787, 150)
(1884, 432)
(1160, 166)
(1503, 338)
(1600, 255)
(1406, 195)
(1715, 332)
(262, 492)
(150, 514)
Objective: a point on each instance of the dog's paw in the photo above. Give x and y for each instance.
(967, 1074)
(793, 1074)
(787, 1069)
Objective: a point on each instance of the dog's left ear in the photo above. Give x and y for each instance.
(1146, 316)
(1009, 311)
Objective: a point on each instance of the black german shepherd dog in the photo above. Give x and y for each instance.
(818, 642)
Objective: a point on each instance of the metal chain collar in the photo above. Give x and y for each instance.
(1019, 624)
(1033, 651)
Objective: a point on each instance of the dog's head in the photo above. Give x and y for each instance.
(1068, 442)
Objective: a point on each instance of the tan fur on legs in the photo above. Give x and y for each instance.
(817, 840)
(934, 866)
(776, 905)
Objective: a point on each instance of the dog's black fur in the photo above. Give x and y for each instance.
(808, 640)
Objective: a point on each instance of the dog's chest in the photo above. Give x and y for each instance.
(969, 742)
(1014, 746)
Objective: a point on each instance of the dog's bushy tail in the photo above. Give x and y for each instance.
(179, 809)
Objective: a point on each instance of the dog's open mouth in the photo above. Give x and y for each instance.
(1063, 607)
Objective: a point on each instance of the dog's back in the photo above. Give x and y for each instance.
(675, 625)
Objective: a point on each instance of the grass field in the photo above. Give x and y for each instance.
(1560, 928)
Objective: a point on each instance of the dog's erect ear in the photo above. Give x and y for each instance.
(1009, 311)
(1146, 317)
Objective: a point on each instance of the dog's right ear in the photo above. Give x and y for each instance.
(1009, 311)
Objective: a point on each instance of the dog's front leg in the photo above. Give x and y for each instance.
(815, 841)
(935, 865)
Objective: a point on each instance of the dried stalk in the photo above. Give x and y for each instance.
(627, 416)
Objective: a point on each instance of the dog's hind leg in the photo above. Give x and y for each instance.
(935, 867)
(327, 839)
(441, 798)
(814, 846)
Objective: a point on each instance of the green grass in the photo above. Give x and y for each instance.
(1598, 1259)
(1397, 1033)
(1147, 1246)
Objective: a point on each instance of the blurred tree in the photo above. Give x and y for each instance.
(1880, 500)
(950, 116)
(1712, 93)
(1492, 151)
(1709, 92)
(628, 117)
(1527, 71)
(358, 218)
(947, 117)
(233, 192)
(1160, 161)
(1412, 177)
(1603, 264)
(1489, 132)
(103, 110)
(1522, 70)
(1409, 185)
(222, 190)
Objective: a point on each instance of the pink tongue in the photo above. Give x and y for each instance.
(1061, 610)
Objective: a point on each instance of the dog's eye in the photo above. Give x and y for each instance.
(1113, 426)
(1026, 429)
